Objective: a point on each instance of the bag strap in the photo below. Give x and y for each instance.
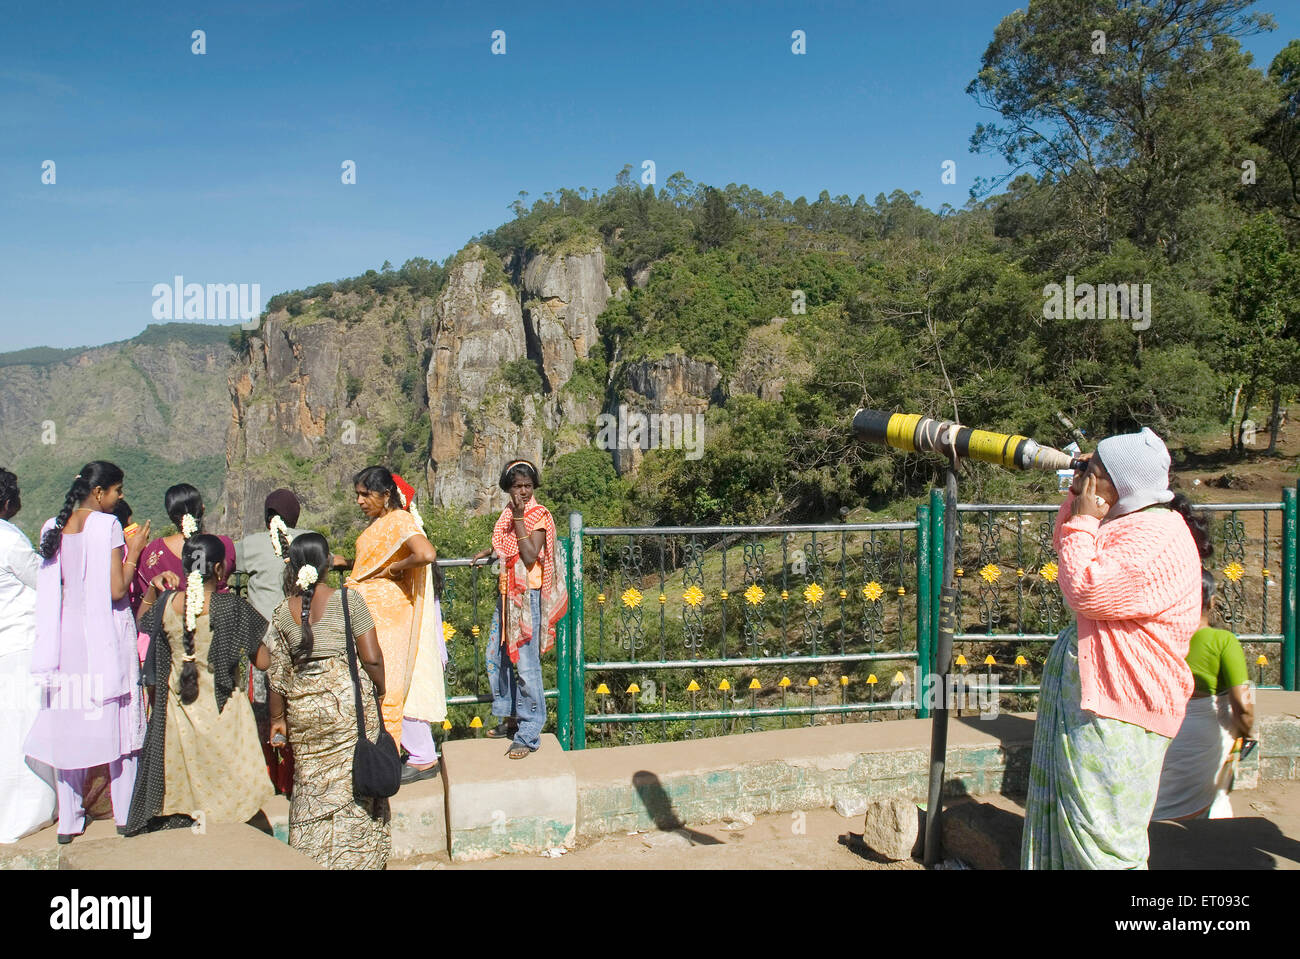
(352, 663)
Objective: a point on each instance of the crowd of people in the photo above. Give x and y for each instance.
(134, 655)
(201, 701)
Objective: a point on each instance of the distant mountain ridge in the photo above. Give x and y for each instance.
(157, 404)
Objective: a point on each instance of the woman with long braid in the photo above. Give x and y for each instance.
(313, 709)
(201, 755)
(92, 712)
(184, 505)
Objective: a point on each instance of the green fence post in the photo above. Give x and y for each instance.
(936, 566)
(577, 662)
(1290, 553)
(923, 575)
(564, 665)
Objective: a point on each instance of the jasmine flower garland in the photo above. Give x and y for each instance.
(193, 599)
(277, 527)
(307, 575)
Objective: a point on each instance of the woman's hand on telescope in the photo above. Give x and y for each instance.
(1087, 502)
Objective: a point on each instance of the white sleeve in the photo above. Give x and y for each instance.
(24, 561)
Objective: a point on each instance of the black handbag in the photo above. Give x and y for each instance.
(376, 767)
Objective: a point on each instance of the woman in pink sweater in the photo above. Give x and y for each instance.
(1116, 684)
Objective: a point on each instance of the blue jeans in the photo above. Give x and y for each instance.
(517, 691)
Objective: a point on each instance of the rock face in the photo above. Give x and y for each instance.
(563, 295)
(478, 421)
(317, 397)
(770, 360)
(673, 384)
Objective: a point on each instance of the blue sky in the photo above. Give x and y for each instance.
(225, 168)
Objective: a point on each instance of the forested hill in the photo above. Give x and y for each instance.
(157, 405)
(1167, 167)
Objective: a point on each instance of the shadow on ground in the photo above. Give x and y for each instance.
(1244, 843)
(659, 807)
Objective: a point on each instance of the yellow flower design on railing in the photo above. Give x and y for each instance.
(693, 596)
(631, 597)
(448, 631)
(873, 591)
(1049, 571)
(754, 595)
(1234, 571)
(813, 593)
(991, 574)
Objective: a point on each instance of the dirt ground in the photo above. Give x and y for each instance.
(1265, 835)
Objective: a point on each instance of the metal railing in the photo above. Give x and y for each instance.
(1005, 576)
(680, 632)
(719, 624)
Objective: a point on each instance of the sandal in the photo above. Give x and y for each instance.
(412, 775)
(518, 751)
(503, 730)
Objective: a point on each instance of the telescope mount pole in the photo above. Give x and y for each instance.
(943, 668)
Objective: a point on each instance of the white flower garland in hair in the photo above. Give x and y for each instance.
(415, 514)
(189, 526)
(193, 599)
(307, 575)
(277, 526)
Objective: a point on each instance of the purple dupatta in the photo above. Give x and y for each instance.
(103, 652)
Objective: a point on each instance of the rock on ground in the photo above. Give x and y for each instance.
(890, 828)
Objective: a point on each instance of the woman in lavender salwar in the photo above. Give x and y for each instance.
(92, 708)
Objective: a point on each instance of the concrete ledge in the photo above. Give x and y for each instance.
(497, 805)
(419, 818)
(664, 785)
(667, 785)
(221, 846)
(41, 850)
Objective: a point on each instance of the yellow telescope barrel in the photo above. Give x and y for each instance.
(914, 433)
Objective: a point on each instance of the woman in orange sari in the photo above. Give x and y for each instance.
(393, 573)
(531, 598)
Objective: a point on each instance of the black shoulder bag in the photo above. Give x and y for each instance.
(376, 767)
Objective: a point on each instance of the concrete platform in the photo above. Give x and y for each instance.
(419, 818)
(41, 850)
(497, 805)
(220, 846)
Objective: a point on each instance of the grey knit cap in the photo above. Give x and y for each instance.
(1138, 464)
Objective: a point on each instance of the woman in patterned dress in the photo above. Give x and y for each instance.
(313, 706)
(202, 760)
(1116, 682)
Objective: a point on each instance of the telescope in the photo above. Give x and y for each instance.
(914, 433)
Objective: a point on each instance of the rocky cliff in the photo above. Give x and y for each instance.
(317, 396)
(484, 406)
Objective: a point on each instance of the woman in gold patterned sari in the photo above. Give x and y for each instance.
(313, 707)
(394, 572)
